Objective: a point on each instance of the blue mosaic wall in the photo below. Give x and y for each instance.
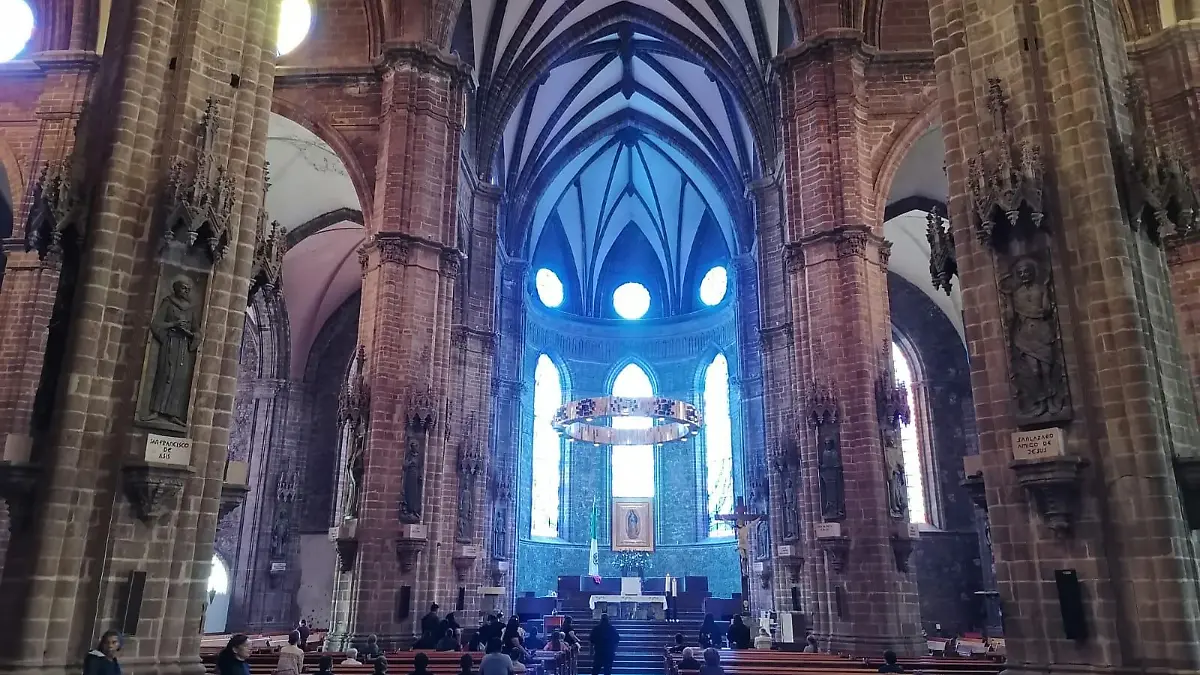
(590, 353)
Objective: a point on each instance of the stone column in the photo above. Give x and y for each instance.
(405, 527)
(855, 530)
(1167, 67)
(169, 133)
(1072, 334)
(508, 388)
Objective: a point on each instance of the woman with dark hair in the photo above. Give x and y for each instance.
(712, 663)
(420, 664)
(466, 665)
(372, 650)
(325, 665)
(568, 631)
(103, 659)
(291, 657)
(450, 623)
(511, 630)
(381, 665)
(232, 659)
(708, 631)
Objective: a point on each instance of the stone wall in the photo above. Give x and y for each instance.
(589, 353)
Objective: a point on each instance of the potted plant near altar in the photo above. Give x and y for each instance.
(633, 563)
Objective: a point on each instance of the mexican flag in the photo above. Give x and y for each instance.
(594, 553)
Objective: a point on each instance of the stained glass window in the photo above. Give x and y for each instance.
(718, 445)
(910, 443)
(218, 577)
(632, 465)
(631, 301)
(713, 286)
(547, 448)
(295, 20)
(15, 29)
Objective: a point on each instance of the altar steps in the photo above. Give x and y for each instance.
(642, 641)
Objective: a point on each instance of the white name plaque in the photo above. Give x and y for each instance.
(1038, 444)
(333, 533)
(758, 568)
(785, 550)
(914, 531)
(828, 530)
(277, 567)
(468, 551)
(168, 450)
(413, 532)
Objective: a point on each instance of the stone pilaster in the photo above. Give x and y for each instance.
(864, 600)
(64, 581)
(1114, 517)
(412, 261)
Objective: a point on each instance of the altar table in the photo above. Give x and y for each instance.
(631, 606)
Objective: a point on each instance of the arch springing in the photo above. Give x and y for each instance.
(718, 446)
(632, 465)
(547, 449)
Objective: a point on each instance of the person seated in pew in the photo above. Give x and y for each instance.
(712, 663)
(739, 634)
(291, 657)
(448, 643)
(431, 628)
(420, 664)
(103, 659)
(372, 652)
(677, 648)
(516, 651)
(763, 639)
(689, 662)
(811, 647)
(569, 636)
(381, 664)
(495, 661)
(351, 658)
(232, 659)
(889, 663)
(449, 622)
(466, 665)
(556, 643)
(531, 640)
(325, 665)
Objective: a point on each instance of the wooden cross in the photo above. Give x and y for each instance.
(741, 518)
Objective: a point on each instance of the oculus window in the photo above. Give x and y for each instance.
(718, 446)
(15, 29)
(632, 465)
(295, 20)
(713, 286)
(547, 449)
(910, 443)
(549, 287)
(631, 301)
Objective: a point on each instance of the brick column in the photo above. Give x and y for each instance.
(65, 575)
(1108, 376)
(1168, 68)
(856, 536)
(406, 523)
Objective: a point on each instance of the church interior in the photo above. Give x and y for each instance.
(873, 322)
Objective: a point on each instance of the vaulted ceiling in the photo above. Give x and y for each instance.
(617, 125)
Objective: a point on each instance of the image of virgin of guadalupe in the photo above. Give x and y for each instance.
(174, 328)
(633, 525)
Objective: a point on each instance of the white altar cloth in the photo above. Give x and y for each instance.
(647, 599)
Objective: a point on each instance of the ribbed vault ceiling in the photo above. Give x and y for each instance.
(601, 116)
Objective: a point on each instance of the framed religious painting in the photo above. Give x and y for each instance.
(633, 525)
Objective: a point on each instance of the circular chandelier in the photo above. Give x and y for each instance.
(674, 420)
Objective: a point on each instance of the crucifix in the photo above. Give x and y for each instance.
(741, 519)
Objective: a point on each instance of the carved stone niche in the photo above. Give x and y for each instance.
(153, 490)
(790, 557)
(464, 561)
(347, 544)
(835, 544)
(1053, 482)
(497, 570)
(18, 487)
(973, 482)
(409, 545)
(1187, 474)
(902, 548)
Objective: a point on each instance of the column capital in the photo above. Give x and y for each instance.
(836, 244)
(426, 57)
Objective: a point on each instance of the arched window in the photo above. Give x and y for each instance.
(713, 286)
(217, 610)
(632, 465)
(549, 287)
(295, 20)
(16, 29)
(547, 448)
(910, 443)
(718, 446)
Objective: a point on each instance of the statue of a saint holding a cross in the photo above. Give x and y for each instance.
(741, 519)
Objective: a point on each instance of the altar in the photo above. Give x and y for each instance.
(630, 603)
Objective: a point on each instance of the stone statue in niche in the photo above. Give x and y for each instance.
(470, 465)
(500, 532)
(353, 413)
(760, 498)
(891, 400)
(832, 480)
(1033, 336)
(355, 472)
(281, 534)
(466, 512)
(414, 480)
(175, 331)
(790, 499)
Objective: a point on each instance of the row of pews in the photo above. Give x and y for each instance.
(770, 662)
(263, 661)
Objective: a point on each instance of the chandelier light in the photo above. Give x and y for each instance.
(582, 420)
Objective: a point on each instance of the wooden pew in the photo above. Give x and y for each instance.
(765, 662)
